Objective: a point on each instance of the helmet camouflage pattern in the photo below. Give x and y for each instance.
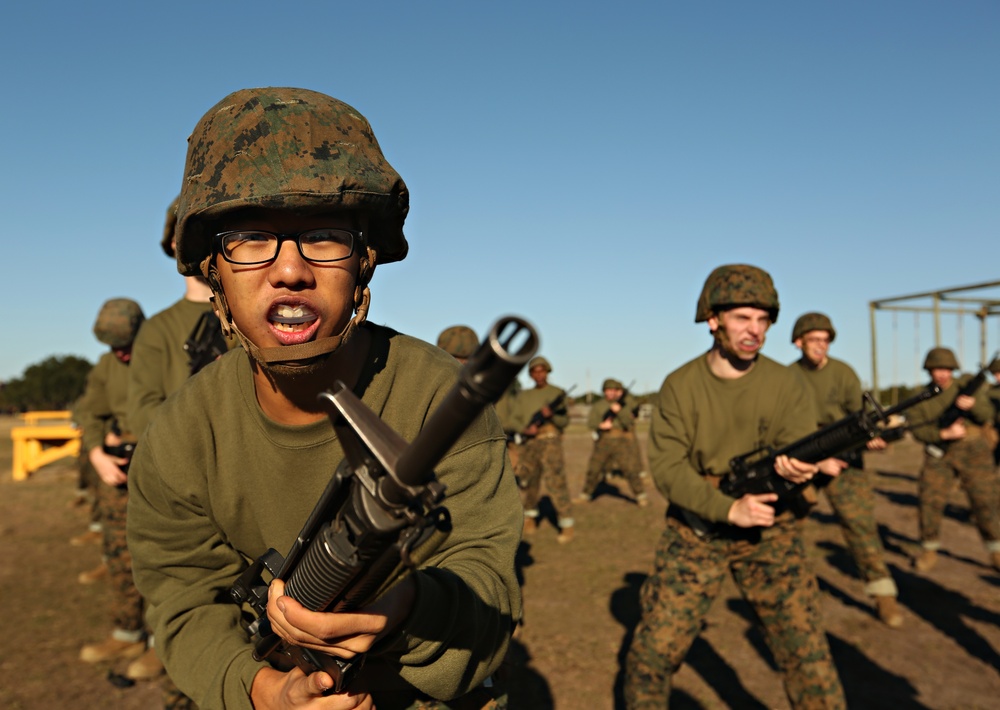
(611, 384)
(736, 285)
(458, 341)
(940, 357)
(118, 322)
(812, 321)
(168, 229)
(539, 362)
(284, 148)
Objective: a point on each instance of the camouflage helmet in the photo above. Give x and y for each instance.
(285, 148)
(539, 362)
(940, 357)
(995, 366)
(118, 322)
(168, 229)
(612, 384)
(812, 321)
(736, 285)
(458, 341)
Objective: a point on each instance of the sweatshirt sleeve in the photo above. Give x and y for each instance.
(468, 597)
(198, 632)
(670, 443)
(146, 389)
(92, 410)
(982, 410)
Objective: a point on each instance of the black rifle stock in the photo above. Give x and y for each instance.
(206, 342)
(754, 472)
(952, 414)
(380, 515)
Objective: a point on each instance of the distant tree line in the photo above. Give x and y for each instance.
(52, 384)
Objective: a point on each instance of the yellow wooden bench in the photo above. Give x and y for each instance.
(37, 444)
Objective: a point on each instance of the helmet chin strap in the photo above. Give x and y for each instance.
(287, 359)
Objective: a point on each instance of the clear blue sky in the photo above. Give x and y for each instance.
(582, 164)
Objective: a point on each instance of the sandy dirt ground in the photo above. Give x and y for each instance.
(580, 606)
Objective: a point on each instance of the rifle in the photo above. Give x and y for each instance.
(609, 415)
(537, 419)
(754, 472)
(621, 402)
(380, 515)
(952, 414)
(206, 342)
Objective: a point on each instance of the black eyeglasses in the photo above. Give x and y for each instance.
(258, 247)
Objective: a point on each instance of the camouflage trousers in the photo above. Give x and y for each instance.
(638, 463)
(126, 602)
(613, 452)
(540, 462)
(972, 461)
(88, 480)
(514, 452)
(775, 579)
(852, 496)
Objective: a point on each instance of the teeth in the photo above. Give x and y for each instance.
(289, 311)
(292, 315)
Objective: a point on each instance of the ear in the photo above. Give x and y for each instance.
(798, 343)
(713, 323)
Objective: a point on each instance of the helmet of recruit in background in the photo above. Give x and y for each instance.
(812, 321)
(459, 341)
(539, 362)
(167, 242)
(118, 322)
(940, 357)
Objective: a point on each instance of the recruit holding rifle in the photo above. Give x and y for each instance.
(615, 405)
(381, 515)
(754, 472)
(540, 459)
(955, 410)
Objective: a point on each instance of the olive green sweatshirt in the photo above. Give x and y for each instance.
(924, 416)
(623, 420)
(159, 362)
(836, 386)
(532, 400)
(103, 402)
(215, 483)
(701, 421)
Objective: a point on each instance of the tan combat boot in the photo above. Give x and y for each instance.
(642, 500)
(565, 535)
(888, 611)
(145, 667)
(93, 575)
(111, 650)
(926, 561)
(995, 560)
(530, 526)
